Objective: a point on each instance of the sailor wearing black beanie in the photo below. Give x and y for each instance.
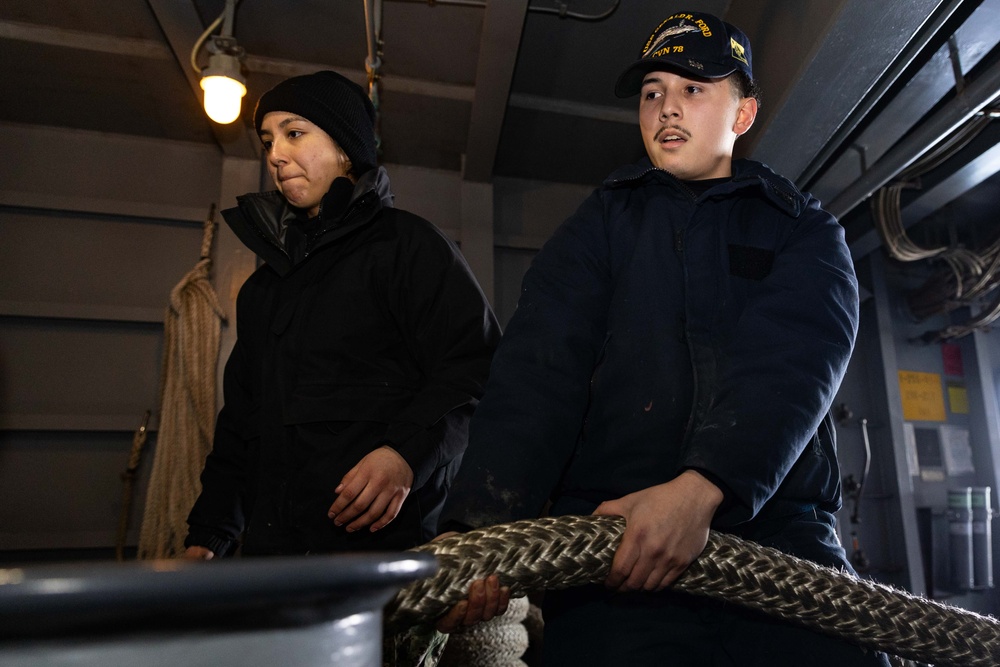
(363, 345)
(335, 104)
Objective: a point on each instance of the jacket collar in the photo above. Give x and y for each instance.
(746, 173)
(261, 218)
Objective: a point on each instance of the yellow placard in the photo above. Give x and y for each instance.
(923, 399)
(958, 399)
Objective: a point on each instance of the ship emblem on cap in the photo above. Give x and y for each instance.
(672, 31)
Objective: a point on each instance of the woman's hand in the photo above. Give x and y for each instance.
(487, 599)
(373, 491)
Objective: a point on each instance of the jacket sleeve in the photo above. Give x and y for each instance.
(777, 376)
(452, 333)
(218, 516)
(524, 431)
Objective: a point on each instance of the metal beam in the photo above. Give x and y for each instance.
(887, 375)
(85, 41)
(903, 61)
(389, 82)
(152, 49)
(572, 108)
(850, 59)
(976, 95)
(945, 192)
(182, 27)
(503, 24)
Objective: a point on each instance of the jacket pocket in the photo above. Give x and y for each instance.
(750, 262)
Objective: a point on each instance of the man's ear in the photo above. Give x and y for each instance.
(745, 115)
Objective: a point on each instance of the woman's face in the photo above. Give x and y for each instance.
(302, 159)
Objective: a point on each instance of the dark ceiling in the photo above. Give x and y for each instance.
(854, 90)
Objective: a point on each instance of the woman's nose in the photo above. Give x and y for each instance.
(276, 153)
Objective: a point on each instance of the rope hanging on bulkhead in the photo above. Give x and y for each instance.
(192, 330)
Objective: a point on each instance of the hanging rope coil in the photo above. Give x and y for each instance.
(561, 552)
(192, 329)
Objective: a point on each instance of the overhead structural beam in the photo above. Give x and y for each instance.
(503, 23)
(572, 108)
(86, 41)
(152, 49)
(398, 84)
(903, 61)
(850, 58)
(182, 26)
(449, 91)
(976, 95)
(945, 192)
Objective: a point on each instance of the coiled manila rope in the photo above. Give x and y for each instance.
(192, 329)
(561, 552)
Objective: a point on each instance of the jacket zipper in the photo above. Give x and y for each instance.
(787, 197)
(676, 180)
(268, 238)
(353, 211)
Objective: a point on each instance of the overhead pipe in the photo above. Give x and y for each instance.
(976, 96)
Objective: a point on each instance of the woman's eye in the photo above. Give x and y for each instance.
(267, 145)
(292, 134)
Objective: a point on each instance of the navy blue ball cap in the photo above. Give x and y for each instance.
(695, 42)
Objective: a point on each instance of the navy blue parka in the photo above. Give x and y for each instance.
(658, 331)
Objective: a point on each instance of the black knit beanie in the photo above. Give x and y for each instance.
(334, 103)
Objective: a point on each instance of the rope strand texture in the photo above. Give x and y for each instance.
(560, 552)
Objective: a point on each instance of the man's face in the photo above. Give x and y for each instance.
(302, 159)
(690, 124)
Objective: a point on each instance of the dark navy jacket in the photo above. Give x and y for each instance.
(659, 331)
(378, 334)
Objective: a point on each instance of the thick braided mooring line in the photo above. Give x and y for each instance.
(562, 552)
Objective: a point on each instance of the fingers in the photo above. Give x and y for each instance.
(372, 493)
(351, 501)
(662, 578)
(374, 511)
(346, 492)
(626, 556)
(454, 619)
(503, 601)
(483, 600)
(610, 508)
(369, 508)
(641, 566)
(487, 599)
(198, 553)
(391, 511)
